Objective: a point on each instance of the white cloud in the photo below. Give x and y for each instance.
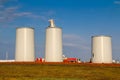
(11, 9)
(7, 14)
(1, 6)
(76, 46)
(3, 1)
(22, 14)
(76, 41)
(116, 2)
(70, 44)
(71, 36)
(10, 13)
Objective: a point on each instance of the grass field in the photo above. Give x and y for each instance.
(49, 71)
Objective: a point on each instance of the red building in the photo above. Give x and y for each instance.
(70, 60)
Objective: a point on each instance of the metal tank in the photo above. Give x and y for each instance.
(101, 49)
(53, 43)
(24, 44)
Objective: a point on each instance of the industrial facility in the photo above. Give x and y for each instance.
(53, 43)
(25, 44)
(25, 48)
(101, 49)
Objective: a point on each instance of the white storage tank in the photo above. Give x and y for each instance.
(53, 43)
(101, 49)
(25, 51)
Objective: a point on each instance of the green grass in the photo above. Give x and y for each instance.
(58, 72)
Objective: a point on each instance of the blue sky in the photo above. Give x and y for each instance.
(79, 19)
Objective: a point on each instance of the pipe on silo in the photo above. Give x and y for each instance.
(101, 49)
(53, 43)
(25, 51)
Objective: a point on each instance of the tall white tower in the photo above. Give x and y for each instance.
(53, 43)
(101, 49)
(24, 45)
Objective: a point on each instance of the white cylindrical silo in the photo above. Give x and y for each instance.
(101, 49)
(53, 44)
(24, 44)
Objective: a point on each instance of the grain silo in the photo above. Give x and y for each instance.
(101, 49)
(24, 45)
(53, 43)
